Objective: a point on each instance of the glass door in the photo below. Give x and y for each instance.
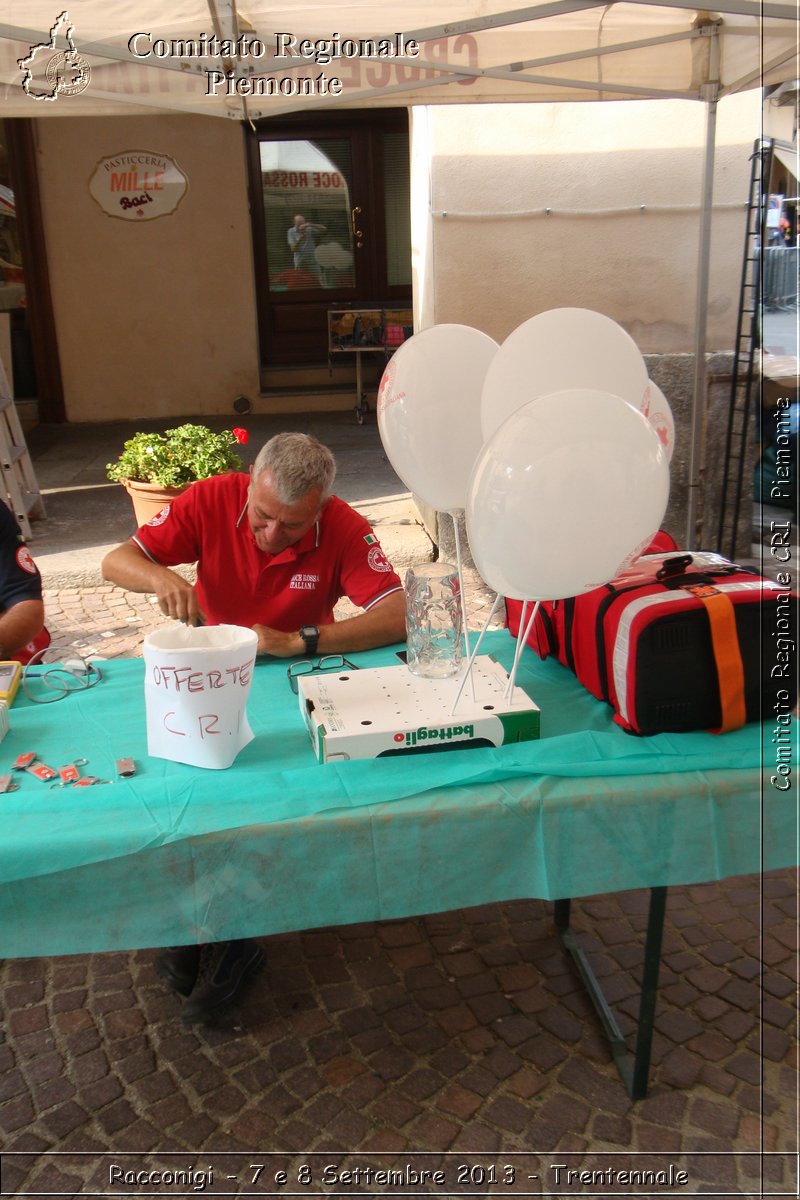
(331, 228)
(309, 217)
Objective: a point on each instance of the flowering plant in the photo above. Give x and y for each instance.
(178, 456)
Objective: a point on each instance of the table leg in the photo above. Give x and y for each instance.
(634, 1069)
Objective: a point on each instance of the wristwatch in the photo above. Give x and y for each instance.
(310, 635)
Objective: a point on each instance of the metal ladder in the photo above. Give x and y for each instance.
(21, 489)
(746, 376)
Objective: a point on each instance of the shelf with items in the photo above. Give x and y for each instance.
(368, 329)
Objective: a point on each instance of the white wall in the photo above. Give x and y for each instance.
(500, 259)
(780, 121)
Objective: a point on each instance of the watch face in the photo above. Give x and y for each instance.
(310, 635)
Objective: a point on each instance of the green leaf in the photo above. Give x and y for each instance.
(177, 456)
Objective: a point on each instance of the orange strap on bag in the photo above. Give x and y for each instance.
(727, 656)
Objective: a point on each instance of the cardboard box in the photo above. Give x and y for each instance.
(384, 711)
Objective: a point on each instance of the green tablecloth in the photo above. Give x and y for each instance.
(279, 841)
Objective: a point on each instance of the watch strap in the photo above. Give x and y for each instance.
(310, 635)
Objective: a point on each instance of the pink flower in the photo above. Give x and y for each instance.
(241, 435)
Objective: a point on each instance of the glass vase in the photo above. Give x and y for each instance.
(433, 620)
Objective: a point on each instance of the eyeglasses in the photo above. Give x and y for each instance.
(308, 666)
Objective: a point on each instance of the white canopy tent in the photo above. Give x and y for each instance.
(219, 59)
(145, 55)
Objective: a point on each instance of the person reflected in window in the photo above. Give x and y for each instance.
(302, 239)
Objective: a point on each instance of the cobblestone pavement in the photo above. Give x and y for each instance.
(464, 1037)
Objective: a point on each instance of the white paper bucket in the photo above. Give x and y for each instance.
(196, 685)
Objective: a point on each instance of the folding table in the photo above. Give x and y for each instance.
(279, 842)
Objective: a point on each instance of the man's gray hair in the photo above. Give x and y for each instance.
(297, 463)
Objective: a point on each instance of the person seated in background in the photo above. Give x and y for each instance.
(275, 551)
(22, 629)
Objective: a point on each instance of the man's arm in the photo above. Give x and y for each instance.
(381, 625)
(129, 567)
(20, 625)
(20, 589)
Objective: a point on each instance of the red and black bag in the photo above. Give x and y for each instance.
(679, 641)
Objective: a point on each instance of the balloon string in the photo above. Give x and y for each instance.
(497, 600)
(521, 642)
(517, 651)
(459, 568)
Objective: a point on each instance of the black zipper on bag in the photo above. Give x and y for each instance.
(549, 631)
(569, 621)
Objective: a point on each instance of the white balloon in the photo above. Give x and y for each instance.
(333, 254)
(429, 411)
(557, 349)
(567, 492)
(655, 406)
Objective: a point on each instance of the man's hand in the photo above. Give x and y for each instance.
(128, 567)
(177, 599)
(279, 645)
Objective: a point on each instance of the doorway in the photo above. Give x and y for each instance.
(331, 226)
(28, 345)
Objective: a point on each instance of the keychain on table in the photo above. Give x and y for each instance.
(80, 781)
(41, 771)
(23, 761)
(69, 773)
(29, 762)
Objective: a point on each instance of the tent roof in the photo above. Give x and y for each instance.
(474, 51)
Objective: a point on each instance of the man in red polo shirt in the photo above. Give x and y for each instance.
(275, 550)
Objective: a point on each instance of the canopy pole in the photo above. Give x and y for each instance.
(711, 92)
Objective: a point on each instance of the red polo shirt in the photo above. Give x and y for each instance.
(238, 584)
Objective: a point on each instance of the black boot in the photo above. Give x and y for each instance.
(240, 960)
(179, 967)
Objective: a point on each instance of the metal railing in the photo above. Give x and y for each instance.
(781, 278)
